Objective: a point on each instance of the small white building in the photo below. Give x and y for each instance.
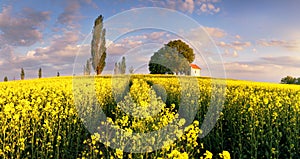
(195, 70)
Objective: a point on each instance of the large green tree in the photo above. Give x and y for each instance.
(288, 80)
(98, 48)
(298, 80)
(174, 57)
(168, 60)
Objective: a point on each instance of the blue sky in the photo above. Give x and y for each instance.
(256, 40)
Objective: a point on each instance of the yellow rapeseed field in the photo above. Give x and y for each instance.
(151, 117)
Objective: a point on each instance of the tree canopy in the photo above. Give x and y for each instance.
(168, 60)
(183, 49)
(290, 80)
(174, 57)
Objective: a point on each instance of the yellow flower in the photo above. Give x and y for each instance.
(208, 155)
(119, 153)
(225, 155)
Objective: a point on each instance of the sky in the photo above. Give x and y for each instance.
(255, 40)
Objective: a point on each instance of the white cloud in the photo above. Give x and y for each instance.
(231, 49)
(30, 53)
(215, 32)
(186, 5)
(207, 6)
(202, 34)
(238, 37)
(212, 8)
(235, 54)
(190, 6)
(121, 46)
(203, 8)
(227, 53)
(236, 45)
(156, 35)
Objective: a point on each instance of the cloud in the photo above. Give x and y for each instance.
(60, 52)
(215, 32)
(199, 34)
(238, 37)
(121, 46)
(63, 48)
(236, 45)
(186, 6)
(227, 53)
(6, 53)
(190, 6)
(271, 43)
(116, 49)
(63, 61)
(240, 67)
(291, 45)
(156, 35)
(71, 12)
(285, 61)
(24, 30)
(207, 6)
(231, 49)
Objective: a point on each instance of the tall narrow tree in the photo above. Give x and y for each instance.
(22, 74)
(87, 68)
(58, 74)
(120, 67)
(131, 70)
(98, 48)
(40, 73)
(116, 69)
(123, 66)
(5, 79)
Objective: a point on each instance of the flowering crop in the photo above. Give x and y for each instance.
(55, 117)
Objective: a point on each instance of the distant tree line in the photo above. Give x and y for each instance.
(290, 80)
(22, 74)
(120, 67)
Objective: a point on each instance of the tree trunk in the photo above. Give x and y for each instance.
(98, 70)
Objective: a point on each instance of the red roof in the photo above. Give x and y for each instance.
(194, 66)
